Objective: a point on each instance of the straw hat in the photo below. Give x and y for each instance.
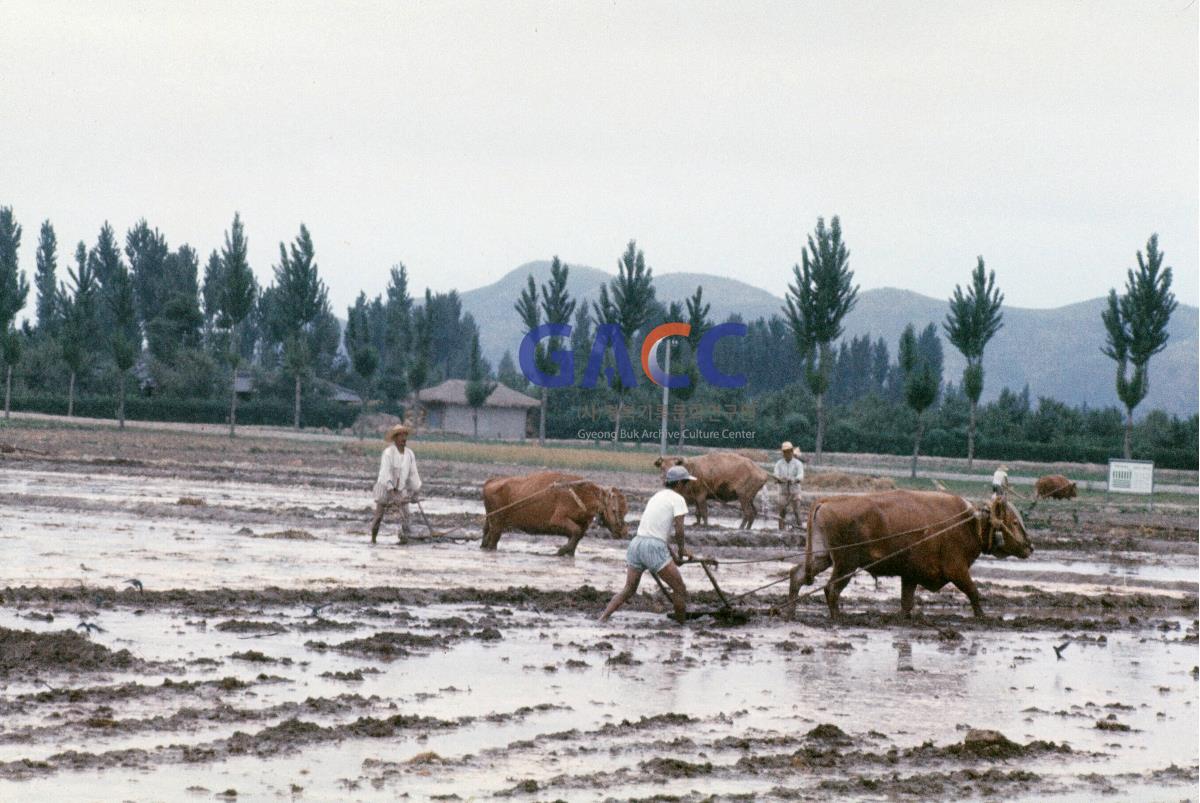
(398, 429)
(786, 446)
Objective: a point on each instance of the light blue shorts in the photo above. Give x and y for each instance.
(647, 554)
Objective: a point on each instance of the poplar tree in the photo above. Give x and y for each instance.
(1136, 328)
(79, 320)
(364, 359)
(479, 386)
(817, 303)
(627, 301)
(14, 290)
(557, 308)
(300, 297)
(922, 380)
(697, 318)
(973, 320)
(395, 336)
(105, 261)
(125, 341)
(235, 302)
(46, 281)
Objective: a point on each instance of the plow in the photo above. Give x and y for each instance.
(726, 614)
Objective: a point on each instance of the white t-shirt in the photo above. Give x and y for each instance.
(1000, 478)
(789, 469)
(658, 519)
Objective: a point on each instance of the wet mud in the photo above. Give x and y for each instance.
(267, 650)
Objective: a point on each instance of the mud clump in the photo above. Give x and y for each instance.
(387, 645)
(289, 535)
(1112, 725)
(933, 785)
(256, 657)
(656, 721)
(64, 650)
(354, 676)
(623, 658)
(827, 732)
(249, 626)
(991, 744)
(676, 768)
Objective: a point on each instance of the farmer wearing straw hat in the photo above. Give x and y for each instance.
(789, 473)
(648, 551)
(398, 482)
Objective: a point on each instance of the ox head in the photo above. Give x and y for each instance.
(1007, 531)
(664, 463)
(612, 512)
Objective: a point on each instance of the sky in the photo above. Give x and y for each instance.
(466, 138)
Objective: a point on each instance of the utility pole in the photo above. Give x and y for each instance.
(662, 431)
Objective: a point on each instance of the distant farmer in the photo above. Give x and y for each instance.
(1000, 481)
(398, 483)
(648, 551)
(999, 488)
(789, 473)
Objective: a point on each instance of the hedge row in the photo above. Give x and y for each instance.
(843, 437)
(317, 413)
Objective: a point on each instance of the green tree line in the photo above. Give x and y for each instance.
(138, 307)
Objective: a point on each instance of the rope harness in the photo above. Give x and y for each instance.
(956, 521)
(987, 545)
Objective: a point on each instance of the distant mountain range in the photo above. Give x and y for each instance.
(1055, 351)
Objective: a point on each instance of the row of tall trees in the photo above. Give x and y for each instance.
(111, 309)
(147, 308)
(820, 296)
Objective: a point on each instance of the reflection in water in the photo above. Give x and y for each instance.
(904, 657)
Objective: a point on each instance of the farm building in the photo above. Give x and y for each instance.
(502, 417)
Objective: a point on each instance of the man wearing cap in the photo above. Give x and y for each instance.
(648, 551)
(398, 482)
(789, 473)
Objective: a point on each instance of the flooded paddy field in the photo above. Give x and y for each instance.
(272, 653)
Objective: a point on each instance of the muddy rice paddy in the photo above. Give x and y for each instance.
(268, 651)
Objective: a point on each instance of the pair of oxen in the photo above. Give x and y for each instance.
(925, 538)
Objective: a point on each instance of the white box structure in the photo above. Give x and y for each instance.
(1131, 477)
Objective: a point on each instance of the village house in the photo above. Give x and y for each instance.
(504, 416)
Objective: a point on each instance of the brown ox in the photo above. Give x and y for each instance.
(549, 503)
(926, 538)
(723, 476)
(1055, 486)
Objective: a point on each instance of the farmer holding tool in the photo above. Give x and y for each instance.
(789, 473)
(398, 483)
(648, 551)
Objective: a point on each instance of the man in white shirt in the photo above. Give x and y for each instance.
(999, 490)
(648, 551)
(398, 482)
(789, 473)
(1000, 481)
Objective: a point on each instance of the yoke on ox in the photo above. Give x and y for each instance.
(926, 538)
(549, 503)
